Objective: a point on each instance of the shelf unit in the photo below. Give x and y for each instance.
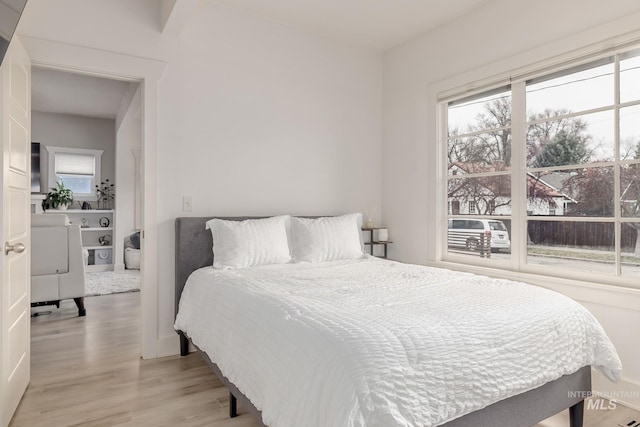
(373, 243)
(100, 256)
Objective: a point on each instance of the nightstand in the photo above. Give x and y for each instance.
(373, 243)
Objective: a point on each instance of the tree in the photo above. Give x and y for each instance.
(497, 143)
(492, 143)
(488, 149)
(593, 190)
(563, 149)
(547, 125)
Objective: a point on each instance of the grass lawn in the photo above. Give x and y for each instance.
(582, 254)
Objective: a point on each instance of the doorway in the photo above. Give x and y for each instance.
(87, 135)
(72, 58)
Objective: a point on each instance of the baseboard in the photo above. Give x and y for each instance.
(625, 392)
(168, 345)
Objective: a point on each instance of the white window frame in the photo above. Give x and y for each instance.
(51, 169)
(517, 79)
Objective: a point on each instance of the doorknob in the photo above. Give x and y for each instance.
(17, 248)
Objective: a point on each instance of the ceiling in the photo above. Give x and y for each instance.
(62, 92)
(376, 24)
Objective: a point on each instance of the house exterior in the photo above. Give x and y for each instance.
(491, 194)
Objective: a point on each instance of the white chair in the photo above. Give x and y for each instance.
(57, 261)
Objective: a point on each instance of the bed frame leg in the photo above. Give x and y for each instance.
(233, 406)
(184, 345)
(576, 414)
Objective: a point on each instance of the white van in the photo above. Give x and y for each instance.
(465, 233)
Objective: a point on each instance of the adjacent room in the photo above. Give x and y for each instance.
(321, 213)
(86, 138)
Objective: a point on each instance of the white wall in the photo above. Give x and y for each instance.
(501, 36)
(264, 120)
(65, 130)
(256, 118)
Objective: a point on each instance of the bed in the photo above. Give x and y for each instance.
(193, 252)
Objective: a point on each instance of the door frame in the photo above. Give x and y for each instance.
(100, 63)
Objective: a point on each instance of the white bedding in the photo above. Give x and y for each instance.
(379, 343)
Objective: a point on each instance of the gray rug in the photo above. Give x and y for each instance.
(112, 282)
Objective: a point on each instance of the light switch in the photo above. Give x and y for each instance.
(187, 205)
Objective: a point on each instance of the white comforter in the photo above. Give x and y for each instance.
(378, 343)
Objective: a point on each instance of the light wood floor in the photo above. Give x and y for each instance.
(86, 371)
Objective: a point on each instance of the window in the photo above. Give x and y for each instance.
(78, 169)
(472, 207)
(479, 156)
(556, 159)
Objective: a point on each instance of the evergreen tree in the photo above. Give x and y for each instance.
(563, 149)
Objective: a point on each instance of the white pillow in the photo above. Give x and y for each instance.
(326, 238)
(239, 244)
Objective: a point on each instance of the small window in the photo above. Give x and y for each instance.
(472, 207)
(78, 169)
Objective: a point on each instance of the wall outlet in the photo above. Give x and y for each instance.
(187, 205)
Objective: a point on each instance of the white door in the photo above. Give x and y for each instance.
(15, 320)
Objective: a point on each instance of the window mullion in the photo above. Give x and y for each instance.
(442, 219)
(518, 176)
(616, 170)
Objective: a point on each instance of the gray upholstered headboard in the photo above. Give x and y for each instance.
(193, 247)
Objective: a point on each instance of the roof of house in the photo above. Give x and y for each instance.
(537, 186)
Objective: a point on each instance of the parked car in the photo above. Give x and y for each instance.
(465, 233)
